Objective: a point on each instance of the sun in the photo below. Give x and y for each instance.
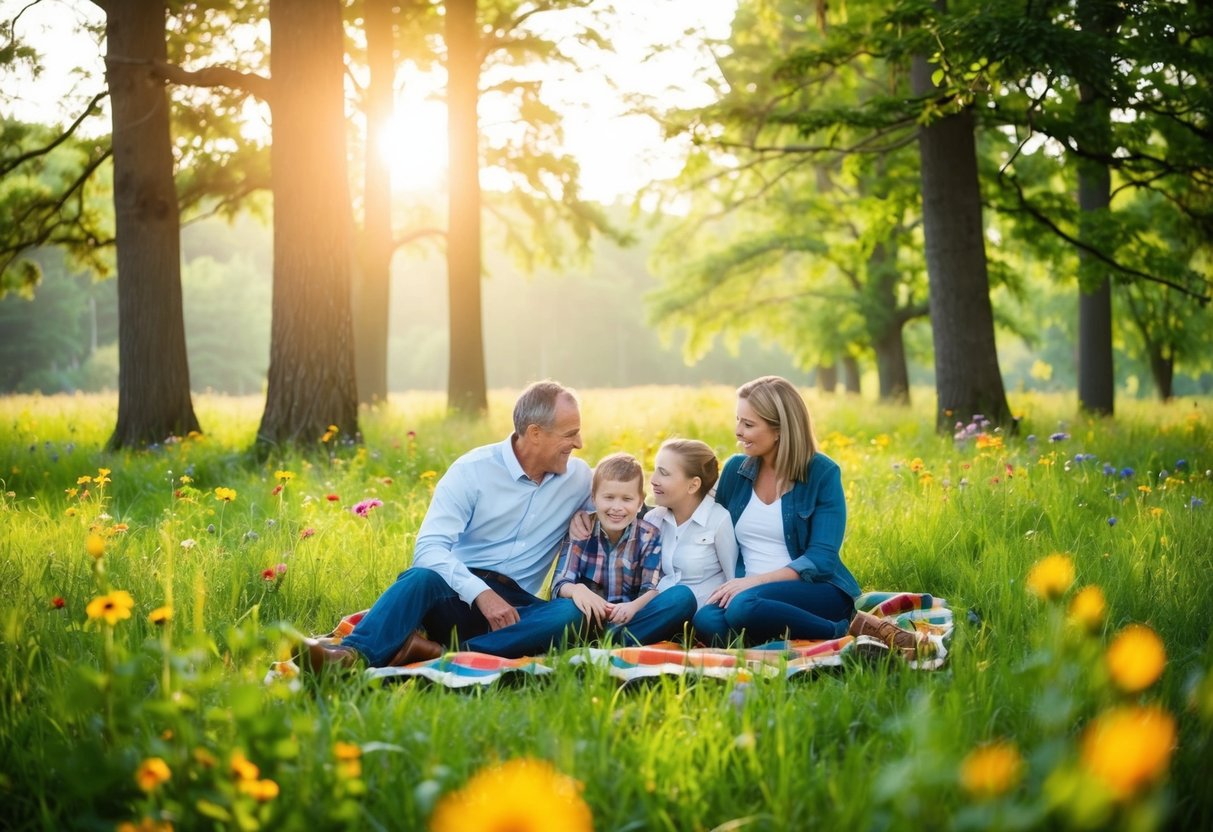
(416, 144)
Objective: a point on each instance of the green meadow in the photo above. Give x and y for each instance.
(163, 719)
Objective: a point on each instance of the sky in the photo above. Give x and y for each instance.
(618, 153)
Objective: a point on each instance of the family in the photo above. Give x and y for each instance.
(755, 559)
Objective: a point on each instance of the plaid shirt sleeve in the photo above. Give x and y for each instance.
(648, 555)
(568, 565)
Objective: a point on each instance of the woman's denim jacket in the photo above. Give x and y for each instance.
(814, 517)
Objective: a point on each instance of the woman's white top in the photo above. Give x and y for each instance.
(760, 537)
(701, 554)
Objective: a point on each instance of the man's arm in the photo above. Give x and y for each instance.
(448, 516)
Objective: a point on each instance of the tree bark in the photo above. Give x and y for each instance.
(372, 282)
(311, 373)
(1162, 368)
(466, 383)
(850, 374)
(153, 368)
(885, 325)
(827, 377)
(967, 377)
(1096, 373)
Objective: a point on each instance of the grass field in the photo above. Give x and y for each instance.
(1045, 716)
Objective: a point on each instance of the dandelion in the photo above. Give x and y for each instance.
(72, 511)
(58, 603)
(1050, 577)
(332, 431)
(160, 616)
(365, 507)
(95, 546)
(1157, 512)
(225, 495)
(1128, 748)
(113, 607)
(85, 480)
(1136, 658)
(1088, 608)
(522, 795)
(991, 770)
(152, 773)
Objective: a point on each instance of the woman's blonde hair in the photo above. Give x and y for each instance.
(696, 459)
(778, 403)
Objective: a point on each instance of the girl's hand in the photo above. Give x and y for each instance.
(726, 592)
(581, 525)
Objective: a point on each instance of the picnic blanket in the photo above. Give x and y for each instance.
(909, 610)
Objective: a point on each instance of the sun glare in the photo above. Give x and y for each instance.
(416, 145)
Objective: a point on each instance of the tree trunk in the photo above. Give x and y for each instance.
(850, 374)
(466, 384)
(311, 374)
(827, 377)
(967, 377)
(372, 282)
(885, 324)
(153, 369)
(1096, 374)
(891, 367)
(1162, 368)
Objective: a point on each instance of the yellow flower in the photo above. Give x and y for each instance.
(916, 464)
(1050, 577)
(242, 769)
(985, 440)
(521, 795)
(114, 607)
(72, 512)
(285, 476)
(346, 751)
(95, 545)
(85, 480)
(1088, 608)
(1045, 460)
(429, 475)
(145, 825)
(1144, 489)
(204, 757)
(103, 476)
(1136, 658)
(991, 770)
(151, 773)
(1156, 512)
(260, 790)
(225, 495)
(881, 440)
(160, 615)
(1129, 747)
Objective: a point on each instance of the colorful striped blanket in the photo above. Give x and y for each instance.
(788, 658)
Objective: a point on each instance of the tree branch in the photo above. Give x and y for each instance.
(212, 76)
(12, 164)
(415, 235)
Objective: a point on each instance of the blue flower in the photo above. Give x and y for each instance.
(1125, 473)
(1031, 438)
(1195, 502)
(1059, 436)
(1111, 521)
(1109, 468)
(1181, 463)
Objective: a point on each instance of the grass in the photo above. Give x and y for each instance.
(83, 705)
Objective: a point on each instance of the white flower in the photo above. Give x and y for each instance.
(189, 543)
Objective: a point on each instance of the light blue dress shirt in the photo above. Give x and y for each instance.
(487, 514)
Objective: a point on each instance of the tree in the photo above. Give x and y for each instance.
(153, 370)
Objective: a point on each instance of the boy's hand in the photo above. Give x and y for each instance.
(593, 606)
(623, 613)
(581, 525)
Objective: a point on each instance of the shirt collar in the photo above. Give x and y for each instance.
(510, 459)
(749, 467)
(604, 541)
(701, 512)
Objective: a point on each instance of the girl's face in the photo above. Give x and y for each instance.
(755, 436)
(670, 483)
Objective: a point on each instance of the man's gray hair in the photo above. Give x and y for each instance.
(537, 405)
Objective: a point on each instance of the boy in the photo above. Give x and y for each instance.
(612, 575)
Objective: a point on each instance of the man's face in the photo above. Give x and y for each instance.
(557, 443)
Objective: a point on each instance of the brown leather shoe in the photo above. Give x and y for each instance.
(320, 655)
(416, 648)
(909, 642)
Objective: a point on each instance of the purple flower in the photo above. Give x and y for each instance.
(1195, 502)
(1181, 463)
(1060, 436)
(365, 507)
(1109, 469)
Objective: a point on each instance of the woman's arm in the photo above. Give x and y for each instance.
(827, 525)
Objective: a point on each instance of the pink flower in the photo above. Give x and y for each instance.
(365, 507)
(280, 569)
(306, 533)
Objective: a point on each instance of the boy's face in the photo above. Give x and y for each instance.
(617, 503)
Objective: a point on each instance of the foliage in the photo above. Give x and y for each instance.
(104, 723)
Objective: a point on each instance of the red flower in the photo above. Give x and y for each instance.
(57, 602)
(306, 533)
(332, 498)
(277, 490)
(268, 574)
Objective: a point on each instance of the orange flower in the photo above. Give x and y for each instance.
(1052, 576)
(151, 773)
(519, 795)
(991, 770)
(1088, 608)
(1136, 658)
(1128, 748)
(260, 790)
(242, 769)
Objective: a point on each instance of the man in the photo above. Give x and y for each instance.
(484, 548)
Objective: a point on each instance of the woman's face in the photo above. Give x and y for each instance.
(755, 436)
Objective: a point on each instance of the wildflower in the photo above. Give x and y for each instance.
(332, 498)
(1129, 747)
(204, 757)
(280, 569)
(985, 440)
(189, 543)
(1060, 436)
(916, 465)
(72, 511)
(349, 762)
(519, 795)
(268, 574)
(103, 476)
(225, 495)
(145, 825)
(1050, 577)
(241, 768)
(1088, 608)
(114, 607)
(58, 603)
(277, 489)
(1157, 512)
(1136, 658)
(262, 791)
(1195, 502)
(1181, 463)
(365, 507)
(95, 546)
(306, 533)
(151, 773)
(1144, 489)
(119, 528)
(251, 535)
(85, 480)
(1112, 521)
(186, 479)
(285, 476)
(991, 770)
(1109, 469)
(1125, 473)
(1031, 439)
(160, 615)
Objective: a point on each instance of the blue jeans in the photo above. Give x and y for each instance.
(661, 619)
(785, 609)
(421, 598)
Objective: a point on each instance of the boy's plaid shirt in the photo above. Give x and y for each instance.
(618, 573)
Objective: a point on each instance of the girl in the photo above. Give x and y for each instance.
(698, 550)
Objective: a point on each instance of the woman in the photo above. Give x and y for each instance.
(789, 514)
